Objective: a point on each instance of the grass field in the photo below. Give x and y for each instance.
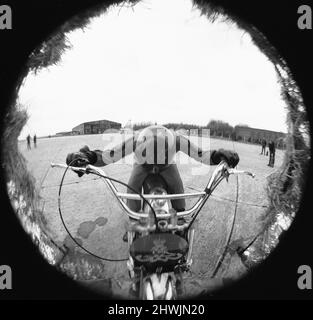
(95, 219)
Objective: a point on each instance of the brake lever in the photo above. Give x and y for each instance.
(228, 171)
(226, 174)
(235, 171)
(225, 168)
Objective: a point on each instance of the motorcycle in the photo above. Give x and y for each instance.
(160, 240)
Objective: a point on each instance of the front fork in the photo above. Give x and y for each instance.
(130, 261)
(190, 238)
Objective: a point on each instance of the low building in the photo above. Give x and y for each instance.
(248, 134)
(96, 127)
(64, 133)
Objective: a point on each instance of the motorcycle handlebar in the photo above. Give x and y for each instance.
(222, 171)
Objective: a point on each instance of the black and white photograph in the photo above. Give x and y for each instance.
(156, 149)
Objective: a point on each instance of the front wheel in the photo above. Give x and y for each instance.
(158, 287)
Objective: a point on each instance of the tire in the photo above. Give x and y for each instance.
(148, 289)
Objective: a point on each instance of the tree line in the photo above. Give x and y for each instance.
(218, 128)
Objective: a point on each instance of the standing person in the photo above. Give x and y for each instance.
(271, 147)
(28, 142)
(263, 143)
(35, 141)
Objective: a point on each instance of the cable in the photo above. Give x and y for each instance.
(67, 184)
(222, 257)
(200, 208)
(241, 251)
(63, 222)
(229, 236)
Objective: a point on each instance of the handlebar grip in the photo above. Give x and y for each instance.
(64, 166)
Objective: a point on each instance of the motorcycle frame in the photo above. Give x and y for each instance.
(221, 171)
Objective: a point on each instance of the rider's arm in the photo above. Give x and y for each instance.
(192, 150)
(116, 153)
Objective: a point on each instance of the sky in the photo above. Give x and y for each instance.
(159, 61)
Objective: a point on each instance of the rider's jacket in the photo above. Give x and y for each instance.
(158, 150)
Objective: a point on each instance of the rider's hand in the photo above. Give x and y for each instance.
(81, 158)
(229, 156)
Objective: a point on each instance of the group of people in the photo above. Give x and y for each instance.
(28, 139)
(271, 150)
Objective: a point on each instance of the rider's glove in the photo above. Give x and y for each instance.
(81, 158)
(229, 156)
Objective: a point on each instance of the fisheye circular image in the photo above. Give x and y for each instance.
(157, 150)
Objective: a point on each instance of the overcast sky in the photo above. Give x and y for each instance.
(162, 62)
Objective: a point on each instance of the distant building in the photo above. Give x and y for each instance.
(64, 133)
(248, 134)
(95, 127)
